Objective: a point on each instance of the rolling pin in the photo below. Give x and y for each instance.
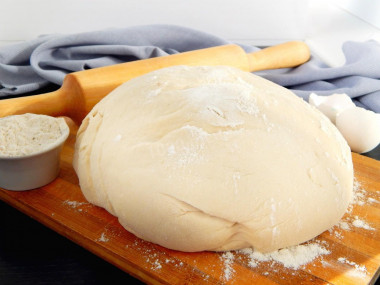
(81, 90)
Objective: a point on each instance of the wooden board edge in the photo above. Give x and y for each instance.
(375, 277)
(74, 237)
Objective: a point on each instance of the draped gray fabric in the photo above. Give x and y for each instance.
(31, 65)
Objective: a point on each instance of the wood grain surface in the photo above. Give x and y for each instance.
(354, 256)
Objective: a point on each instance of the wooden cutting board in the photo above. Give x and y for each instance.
(354, 246)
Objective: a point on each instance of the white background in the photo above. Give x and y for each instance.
(324, 25)
(236, 20)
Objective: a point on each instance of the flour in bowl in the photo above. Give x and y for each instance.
(26, 134)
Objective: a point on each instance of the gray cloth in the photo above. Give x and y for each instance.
(31, 65)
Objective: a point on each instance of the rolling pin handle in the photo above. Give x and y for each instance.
(47, 104)
(66, 101)
(289, 54)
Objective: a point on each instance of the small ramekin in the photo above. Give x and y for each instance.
(34, 170)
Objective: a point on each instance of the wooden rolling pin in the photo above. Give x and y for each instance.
(81, 90)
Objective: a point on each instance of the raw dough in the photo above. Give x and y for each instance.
(213, 158)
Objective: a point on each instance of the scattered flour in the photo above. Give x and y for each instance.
(171, 150)
(361, 224)
(359, 198)
(344, 225)
(154, 260)
(291, 257)
(228, 259)
(103, 238)
(192, 152)
(359, 270)
(74, 204)
(157, 265)
(117, 138)
(338, 235)
(371, 200)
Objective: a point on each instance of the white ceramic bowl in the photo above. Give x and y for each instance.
(34, 170)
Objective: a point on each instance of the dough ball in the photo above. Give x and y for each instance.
(213, 158)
